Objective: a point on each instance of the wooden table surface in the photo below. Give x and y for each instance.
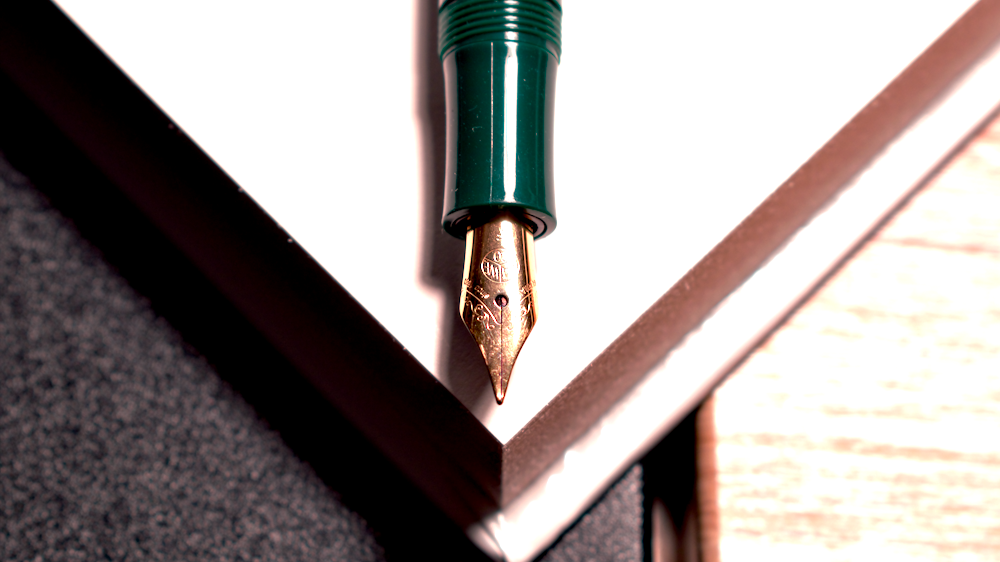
(868, 426)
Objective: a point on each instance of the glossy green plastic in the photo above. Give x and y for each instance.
(500, 59)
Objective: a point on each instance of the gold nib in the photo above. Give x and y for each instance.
(498, 293)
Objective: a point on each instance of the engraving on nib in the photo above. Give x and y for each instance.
(496, 268)
(497, 299)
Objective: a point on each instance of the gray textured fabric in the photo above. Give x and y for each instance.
(115, 442)
(119, 442)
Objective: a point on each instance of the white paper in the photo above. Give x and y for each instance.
(673, 121)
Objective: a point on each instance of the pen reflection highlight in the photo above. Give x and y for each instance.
(510, 100)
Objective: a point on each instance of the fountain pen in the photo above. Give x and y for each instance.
(500, 59)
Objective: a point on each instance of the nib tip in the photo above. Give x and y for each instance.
(500, 387)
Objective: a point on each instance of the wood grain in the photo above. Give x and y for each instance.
(868, 426)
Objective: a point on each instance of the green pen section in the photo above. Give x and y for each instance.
(500, 59)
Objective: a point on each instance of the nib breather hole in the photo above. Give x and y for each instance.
(501, 300)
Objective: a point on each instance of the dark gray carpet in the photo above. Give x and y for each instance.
(118, 441)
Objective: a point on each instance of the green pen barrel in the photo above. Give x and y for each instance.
(500, 59)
